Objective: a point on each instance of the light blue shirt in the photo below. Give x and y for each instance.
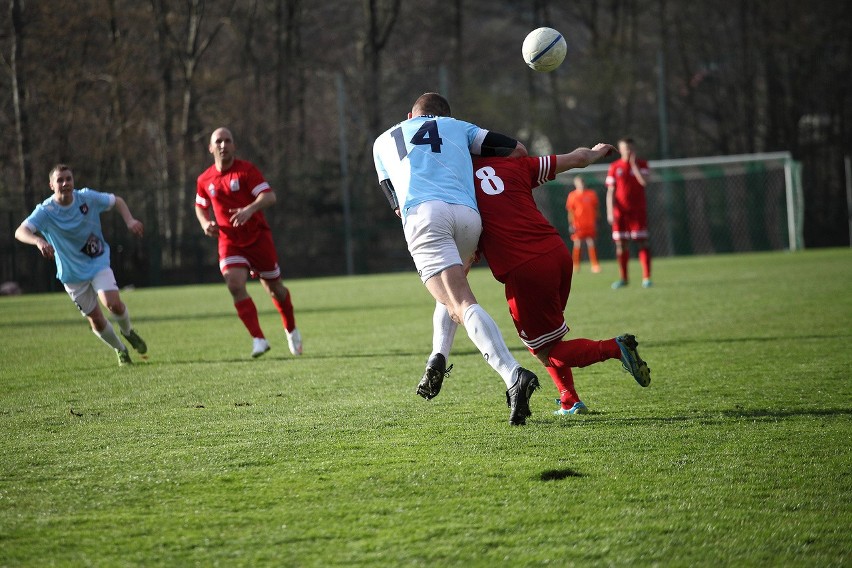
(427, 158)
(75, 233)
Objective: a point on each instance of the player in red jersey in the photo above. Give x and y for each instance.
(527, 254)
(582, 209)
(238, 194)
(626, 210)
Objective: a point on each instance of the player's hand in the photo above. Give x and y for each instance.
(211, 229)
(135, 227)
(45, 248)
(606, 149)
(240, 216)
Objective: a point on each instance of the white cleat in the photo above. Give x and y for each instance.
(259, 346)
(294, 341)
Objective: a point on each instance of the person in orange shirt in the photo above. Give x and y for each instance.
(582, 208)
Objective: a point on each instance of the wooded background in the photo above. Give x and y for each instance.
(127, 92)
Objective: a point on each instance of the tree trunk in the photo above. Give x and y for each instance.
(18, 94)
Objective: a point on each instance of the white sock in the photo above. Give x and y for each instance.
(485, 334)
(443, 331)
(123, 321)
(108, 336)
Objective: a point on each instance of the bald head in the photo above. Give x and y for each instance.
(222, 147)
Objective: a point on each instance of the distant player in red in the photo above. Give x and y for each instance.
(626, 210)
(238, 194)
(582, 208)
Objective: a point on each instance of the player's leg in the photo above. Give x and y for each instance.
(644, 255)
(443, 334)
(236, 277)
(537, 293)
(593, 254)
(84, 296)
(107, 288)
(622, 256)
(575, 252)
(439, 236)
(264, 262)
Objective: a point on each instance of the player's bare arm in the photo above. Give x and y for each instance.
(582, 157)
(610, 190)
(241, 215)
(208, 225)
(637, 172)
(26, 236)
(133, 225)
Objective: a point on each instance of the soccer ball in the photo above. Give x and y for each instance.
(544, 49)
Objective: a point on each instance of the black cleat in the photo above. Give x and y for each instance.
(433, 378)
(518, 396)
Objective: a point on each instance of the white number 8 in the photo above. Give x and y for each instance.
(490, 183)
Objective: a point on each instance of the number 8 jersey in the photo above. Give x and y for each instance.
(513, 229)
(427, 158)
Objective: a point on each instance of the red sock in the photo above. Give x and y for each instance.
(583, 352)
(286, 311)
(645, 261)
(623, 257)
(248, 314)
(564, 381)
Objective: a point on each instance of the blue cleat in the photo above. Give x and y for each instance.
(578, 408)
(619, 284)
(646, 283)
(631, 361)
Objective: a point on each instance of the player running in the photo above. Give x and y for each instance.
(67, 228)
(238, 194)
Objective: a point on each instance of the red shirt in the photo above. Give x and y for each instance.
(629, 193)
(236, 187)
(513, 229)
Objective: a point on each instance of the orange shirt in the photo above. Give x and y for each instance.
(583, 206)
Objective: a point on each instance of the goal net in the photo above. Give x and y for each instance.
(750, 202)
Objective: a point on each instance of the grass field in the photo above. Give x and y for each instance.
(737, 454)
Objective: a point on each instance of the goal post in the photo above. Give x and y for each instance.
(716, 204)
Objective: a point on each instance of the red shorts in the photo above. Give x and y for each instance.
(584, 233)
(259, 257)
(630, 225)
(537, 293)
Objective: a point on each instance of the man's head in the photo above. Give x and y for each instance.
(579, 183)
(626, 147)
(430, 104)
(61, 182)
(222, 147)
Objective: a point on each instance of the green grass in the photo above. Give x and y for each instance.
(737, 454)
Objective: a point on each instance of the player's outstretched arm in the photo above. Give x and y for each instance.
(582, 157)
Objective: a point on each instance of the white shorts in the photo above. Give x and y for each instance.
(440, 235)
(85, 294)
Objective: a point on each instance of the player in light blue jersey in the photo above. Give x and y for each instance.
(425, 170)
(67, 228)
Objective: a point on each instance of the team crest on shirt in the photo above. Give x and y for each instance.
(94, 246)
(84, 209)
(211, 189)
(235, 185)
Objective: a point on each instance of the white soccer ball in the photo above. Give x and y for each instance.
(544, 49)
